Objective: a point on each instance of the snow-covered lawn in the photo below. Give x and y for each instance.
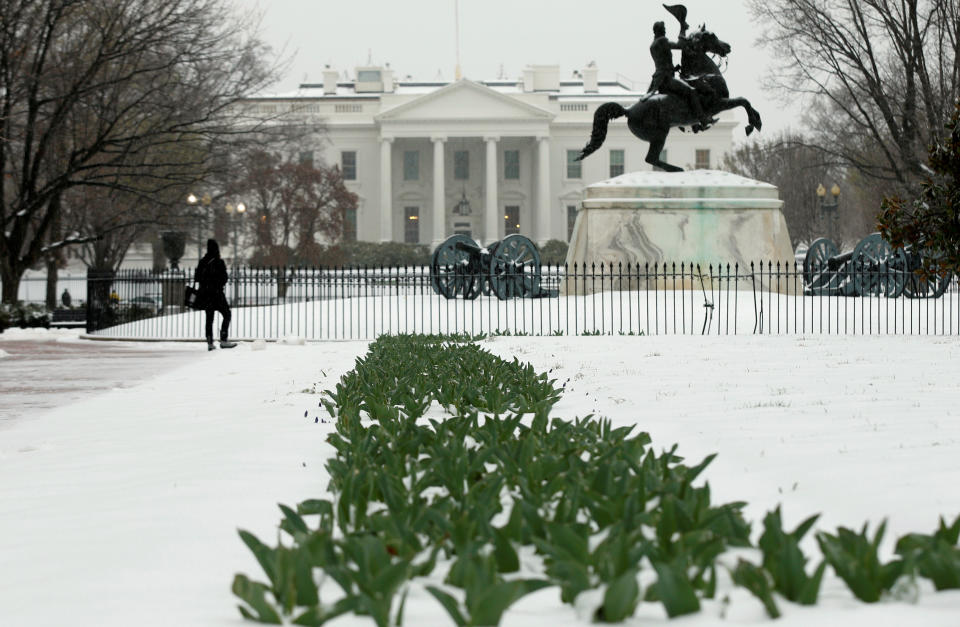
(122, 508)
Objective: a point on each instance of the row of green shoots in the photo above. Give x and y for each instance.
(449, 469)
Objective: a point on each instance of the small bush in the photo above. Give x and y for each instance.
(133, 313)
(554, 252)
(385, 253)
(24, 316)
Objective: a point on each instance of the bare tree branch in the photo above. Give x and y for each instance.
(138, 96)
(882, 76)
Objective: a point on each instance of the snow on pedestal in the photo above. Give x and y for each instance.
(700, 217)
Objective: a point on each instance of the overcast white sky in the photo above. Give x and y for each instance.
(417, 38)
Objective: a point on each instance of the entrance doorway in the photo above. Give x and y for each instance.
(463, 227)
(511, 219)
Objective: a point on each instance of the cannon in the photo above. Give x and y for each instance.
(508, 268)
(872, 268)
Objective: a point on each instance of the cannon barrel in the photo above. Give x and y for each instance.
(837, 261)
(467, 247)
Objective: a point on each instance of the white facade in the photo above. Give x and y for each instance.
(401, 146)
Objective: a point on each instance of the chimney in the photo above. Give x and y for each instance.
(541, 78)
(590, 82)
(387, 74)
(528, 79)
(329, 81)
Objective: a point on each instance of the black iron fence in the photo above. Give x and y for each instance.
(649, 299)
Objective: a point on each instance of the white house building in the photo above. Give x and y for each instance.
(485, 158)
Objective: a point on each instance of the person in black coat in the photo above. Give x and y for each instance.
(211, 274)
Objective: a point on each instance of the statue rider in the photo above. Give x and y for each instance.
(665, 80)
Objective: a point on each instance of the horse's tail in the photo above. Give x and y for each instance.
(605, 112)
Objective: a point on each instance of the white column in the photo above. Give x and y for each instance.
(542, 233)
(439, 196)
(386, 189)
(492, 206)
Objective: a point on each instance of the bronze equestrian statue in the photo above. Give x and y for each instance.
(690, 100)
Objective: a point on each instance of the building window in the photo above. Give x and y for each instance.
(411, 225)
(511, 165)
(306, 158)
(702, 161)
(368, 76)
(348, 164)
(571, 220)
(616, 163)
(350, 226)
(511, 220)
(411, 165)
(461, 165)
(573, 166)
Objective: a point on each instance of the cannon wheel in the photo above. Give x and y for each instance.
(487, 287)
(815, 261)
(933, 287)
(878, 268)
(515, 268)
(450, 271)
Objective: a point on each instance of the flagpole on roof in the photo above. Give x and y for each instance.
(456, 18)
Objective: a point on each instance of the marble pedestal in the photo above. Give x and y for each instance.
(699, 217)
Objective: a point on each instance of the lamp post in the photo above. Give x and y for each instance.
(828, 211)
(235, 212)
(192, 200)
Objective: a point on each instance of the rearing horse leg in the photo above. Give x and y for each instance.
(753, 117)
(653, 154)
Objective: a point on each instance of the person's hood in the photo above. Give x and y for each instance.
(213, 249)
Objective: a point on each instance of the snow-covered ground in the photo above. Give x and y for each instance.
(122, 508)
(45, 369)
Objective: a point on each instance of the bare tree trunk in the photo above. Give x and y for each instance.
(52, 269)
(11, 283)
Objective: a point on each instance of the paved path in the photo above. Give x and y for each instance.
(41, 374)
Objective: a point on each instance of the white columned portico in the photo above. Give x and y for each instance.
(491, 206)
(543, 191)
(386, 189)
(439, 195)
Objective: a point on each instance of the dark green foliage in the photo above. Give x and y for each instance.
(930, 224)
(379, 254)
(344, 254)
(620, 599)
(487, 595)
(785, 562)
(132, 313)
(853, 556)
(937, 556)
(254, 594)
(409, 489)
(553, 252)
(674, 588)
(757, 580)
(24, 316)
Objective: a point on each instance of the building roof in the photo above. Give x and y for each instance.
(567, 89)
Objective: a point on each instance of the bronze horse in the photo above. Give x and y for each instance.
(652, 117)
